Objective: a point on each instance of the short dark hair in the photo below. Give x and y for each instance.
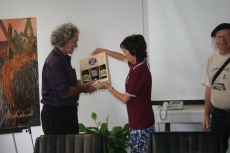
(136, 46)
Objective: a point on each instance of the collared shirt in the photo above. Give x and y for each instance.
(139, 85)
(57, 77)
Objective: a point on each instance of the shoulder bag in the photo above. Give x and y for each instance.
(220, 70)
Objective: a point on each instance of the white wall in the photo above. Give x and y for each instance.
(102, 23)
(180, 43)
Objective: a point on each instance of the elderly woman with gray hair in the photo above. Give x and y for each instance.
(60, 88)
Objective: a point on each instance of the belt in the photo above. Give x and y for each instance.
(222, 111)
(48, 106)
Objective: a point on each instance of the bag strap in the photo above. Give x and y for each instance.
(220, 70)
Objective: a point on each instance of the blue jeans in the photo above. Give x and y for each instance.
(220, 122)
(139, 139)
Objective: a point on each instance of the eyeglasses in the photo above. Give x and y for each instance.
(224, 36)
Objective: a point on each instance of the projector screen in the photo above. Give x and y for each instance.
(179, 45)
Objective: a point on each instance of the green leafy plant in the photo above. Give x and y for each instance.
(117, 138)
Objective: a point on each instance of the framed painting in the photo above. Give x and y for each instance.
(19, 87)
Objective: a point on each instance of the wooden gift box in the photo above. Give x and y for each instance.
(95, 68)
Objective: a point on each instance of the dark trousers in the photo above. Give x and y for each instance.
(59, 120)
(220, 122)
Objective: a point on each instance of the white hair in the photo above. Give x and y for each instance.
(213, 43)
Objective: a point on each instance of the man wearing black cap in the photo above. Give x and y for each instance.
(217, 102)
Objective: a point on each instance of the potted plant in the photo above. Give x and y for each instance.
(117, 138)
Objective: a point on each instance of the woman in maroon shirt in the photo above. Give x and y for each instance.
(138, 87)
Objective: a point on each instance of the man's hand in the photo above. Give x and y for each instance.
(205, 124)
(87, 88)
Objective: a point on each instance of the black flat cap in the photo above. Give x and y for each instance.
(220, 27)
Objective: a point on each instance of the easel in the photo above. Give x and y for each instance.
(12, 131)
(30, 132)
(18, 131)
(15, 145)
